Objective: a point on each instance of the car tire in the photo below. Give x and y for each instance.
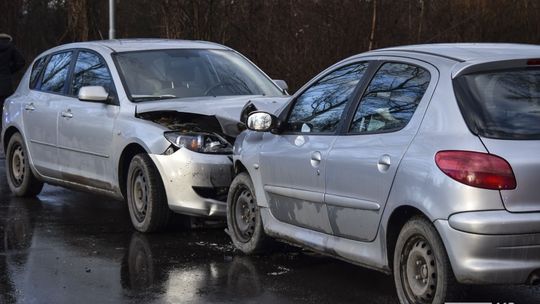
(21, 180)
(422, 271)
(146, 197)
(244, 221)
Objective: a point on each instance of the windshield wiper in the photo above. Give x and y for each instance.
(151, 97)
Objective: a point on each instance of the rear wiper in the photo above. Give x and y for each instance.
(151, 97)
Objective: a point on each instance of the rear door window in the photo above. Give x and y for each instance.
(56, 72)
(391, 98)
(501, 104)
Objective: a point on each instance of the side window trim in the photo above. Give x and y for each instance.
(70, 70)
(350, 110)
(370, 71)
(69, 78)
(32, 85)
(37, 87)
(356, 104)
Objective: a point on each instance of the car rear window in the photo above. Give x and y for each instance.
(501, 104)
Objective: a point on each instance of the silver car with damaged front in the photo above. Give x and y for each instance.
(149, 121)
(418, 161)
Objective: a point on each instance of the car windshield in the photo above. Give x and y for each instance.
(502, 104)
(182, 73)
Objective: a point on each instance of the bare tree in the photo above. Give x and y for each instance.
(373, 24)
(289, 39)
(77, 19)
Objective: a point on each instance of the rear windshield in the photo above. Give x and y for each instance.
(501, 104)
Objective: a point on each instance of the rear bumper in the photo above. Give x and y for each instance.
(195, 183)
(492, 247)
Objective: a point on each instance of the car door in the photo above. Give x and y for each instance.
(362, 163)
(293, 163)
(85, 129)
(41, 110)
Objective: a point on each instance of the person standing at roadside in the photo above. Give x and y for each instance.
(11, 61)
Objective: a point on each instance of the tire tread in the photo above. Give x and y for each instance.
(260, 242)
(160, 215)
(451, 287)
(31, 185)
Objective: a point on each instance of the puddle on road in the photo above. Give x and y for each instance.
(71, 247)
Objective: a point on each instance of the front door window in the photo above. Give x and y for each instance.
(320, 107)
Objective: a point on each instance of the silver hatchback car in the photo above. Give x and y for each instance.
(421, 161)
(151, 121)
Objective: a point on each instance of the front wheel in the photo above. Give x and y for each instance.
(422, 271)
(146, 196)
(243, 217)
(20, 178)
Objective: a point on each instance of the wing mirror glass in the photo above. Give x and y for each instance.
(93, 93)
(261, 121)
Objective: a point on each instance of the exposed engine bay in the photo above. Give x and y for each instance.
(194, 123)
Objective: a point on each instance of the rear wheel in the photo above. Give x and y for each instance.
(21, 179)
(146, 196)
(422, 271)
(243, 217)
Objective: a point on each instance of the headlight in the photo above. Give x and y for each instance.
(199, 142)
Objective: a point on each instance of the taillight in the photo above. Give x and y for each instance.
(533, 62)
(477, 169)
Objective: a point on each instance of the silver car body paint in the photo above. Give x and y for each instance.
(83, 151)
(486, 240)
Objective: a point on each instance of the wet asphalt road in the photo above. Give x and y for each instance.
(73, 247)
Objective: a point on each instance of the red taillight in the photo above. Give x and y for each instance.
(477, 169)
(533, 62)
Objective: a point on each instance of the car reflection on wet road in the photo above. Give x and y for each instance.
(73, 247)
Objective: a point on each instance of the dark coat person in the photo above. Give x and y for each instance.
(11, 61)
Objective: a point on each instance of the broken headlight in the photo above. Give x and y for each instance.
(199, 142)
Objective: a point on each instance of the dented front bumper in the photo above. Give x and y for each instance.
(195, 183)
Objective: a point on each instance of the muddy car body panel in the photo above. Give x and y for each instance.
(88, 145)
(362, 187)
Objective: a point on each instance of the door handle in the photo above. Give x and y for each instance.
(29, 107)
(384, 163)
(316, 158)
(67, 114)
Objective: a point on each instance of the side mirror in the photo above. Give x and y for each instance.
(261, 121)
(93, 93)
(282, 84)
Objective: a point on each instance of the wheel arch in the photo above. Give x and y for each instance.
(395, 223)
(7, 136)
(126, 156)
(239, 168)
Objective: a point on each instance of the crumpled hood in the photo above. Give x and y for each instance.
(227, 109)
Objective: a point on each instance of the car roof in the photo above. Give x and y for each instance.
(464, 52)
(128, 45)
